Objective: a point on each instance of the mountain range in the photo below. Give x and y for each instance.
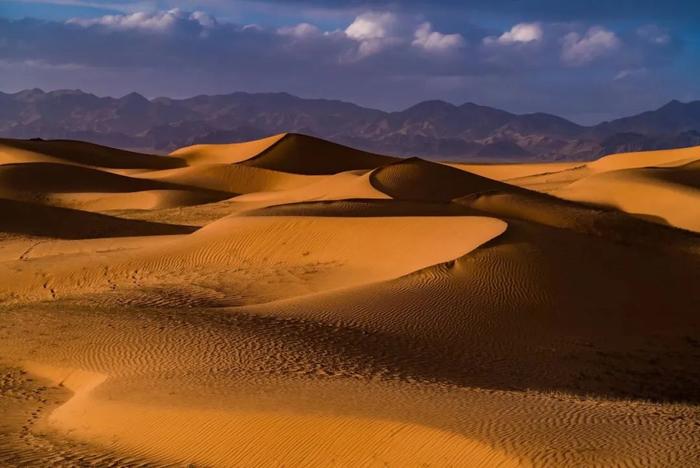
(432, 129)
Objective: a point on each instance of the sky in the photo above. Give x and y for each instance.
(586, 60)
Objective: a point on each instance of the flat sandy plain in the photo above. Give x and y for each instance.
(291, 302)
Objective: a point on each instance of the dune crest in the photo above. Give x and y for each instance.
(225, 153)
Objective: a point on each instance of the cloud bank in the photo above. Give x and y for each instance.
(386, 58)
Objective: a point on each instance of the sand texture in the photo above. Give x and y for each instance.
(293, 302)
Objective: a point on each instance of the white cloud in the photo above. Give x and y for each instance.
(151, 21)
(521, 33)
(579, 50)
(374, 32)
(434, 41)
(371, 26)
(301, 30)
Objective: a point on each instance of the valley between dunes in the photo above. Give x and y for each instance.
(292, 302)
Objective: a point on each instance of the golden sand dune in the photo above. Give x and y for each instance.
(659, 186)
(287, 152)
(337, 308)
(225, 153)
(416, 179)
(239, 258)
(669, 195)
(670, 158)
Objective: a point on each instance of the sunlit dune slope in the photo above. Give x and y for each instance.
(669, 195)
(505, 172)
(240, 258)
(659, 186)
(672, 157)
(225, 153)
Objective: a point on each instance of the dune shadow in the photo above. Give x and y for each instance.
(24, 218)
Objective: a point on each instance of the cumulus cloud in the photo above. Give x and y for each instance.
(434, 41)
(521, 33)
(374, 31)
(580, 49)
(150, 21)
(371, 25)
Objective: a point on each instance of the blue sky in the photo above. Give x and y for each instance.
(585, 60)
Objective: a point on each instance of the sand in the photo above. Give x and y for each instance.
(659, 186)
(292, 302)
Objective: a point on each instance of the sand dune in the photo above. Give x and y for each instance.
(659, 186)
(81, 153)
(416, 179)
(233, 178)
(669, 195)
(671, 158)
(225, 153)
(287, 152)
(292, 302)
(239, 258)
(91, 189)
(23, 218)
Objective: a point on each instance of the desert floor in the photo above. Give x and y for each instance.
(291, 302)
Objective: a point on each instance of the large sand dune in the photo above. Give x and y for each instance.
(292, 302)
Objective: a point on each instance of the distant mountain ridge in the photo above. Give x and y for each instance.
(433, 129)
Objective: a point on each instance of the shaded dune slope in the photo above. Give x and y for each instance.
(95, 190)
(78, 152)
(17, 217)
(52, 177)
(302, 154)
(417, 179)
